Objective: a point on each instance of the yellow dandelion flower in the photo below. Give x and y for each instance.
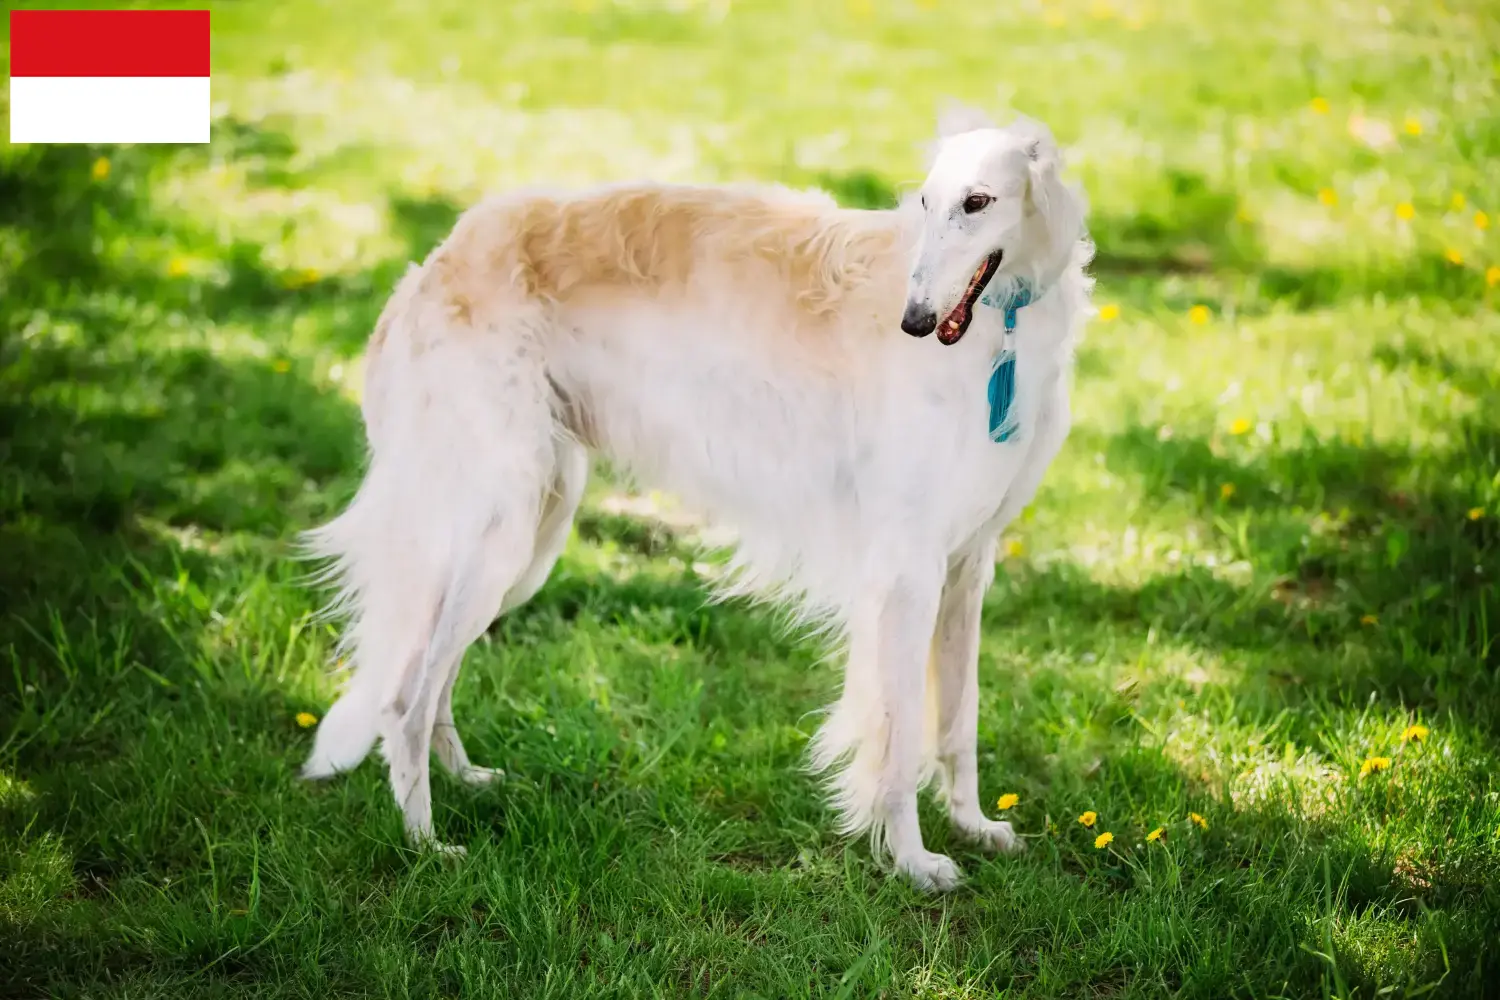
(1156, 834)
(1240, 426)
(1056, 19)
(1007, 801)
(1226, 490)
(1492, 276)
(1475, 513)
(1198, 821)
(1319, 105)
(1199, 315)
(1109, 313)
(1454, 256)
(1415, 733)
(1328, 196)
(1101, 11)
(1373, 764)
(1103, 840)
(1089, 818)
(1412, 125)
(1134, 22)
(281, 366)
(302, 278)
(860, 8)
(177, 267)
(306, 720)
(1406, 211)
(100, 169)
(1013, 547)
(1481, 220)
(1370, 620)
(1457, 202)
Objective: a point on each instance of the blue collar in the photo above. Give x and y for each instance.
(1015, 296)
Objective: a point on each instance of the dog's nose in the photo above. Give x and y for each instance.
(918, 321)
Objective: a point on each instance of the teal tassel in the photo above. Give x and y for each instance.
(1002, 395)
(1003, 379)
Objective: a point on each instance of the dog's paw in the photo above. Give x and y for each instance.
(995, 836)
(930, 872)
(480, 776)
(319, 768)
(451, 853)
(429, 844)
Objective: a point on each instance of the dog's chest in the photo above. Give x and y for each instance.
(980, 482)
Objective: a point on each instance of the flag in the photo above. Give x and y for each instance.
(109, 76)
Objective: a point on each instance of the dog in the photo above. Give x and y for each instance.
(762, 354)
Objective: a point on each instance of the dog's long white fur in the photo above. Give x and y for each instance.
(739, 347)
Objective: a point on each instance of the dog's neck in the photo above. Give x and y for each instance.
(1009, 293)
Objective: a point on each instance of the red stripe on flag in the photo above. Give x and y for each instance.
(109, 43)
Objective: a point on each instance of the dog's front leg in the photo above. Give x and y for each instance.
(903, 636)
(955, 649)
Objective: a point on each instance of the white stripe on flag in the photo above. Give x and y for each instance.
(109, 109)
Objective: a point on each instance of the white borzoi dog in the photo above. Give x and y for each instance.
(761, 354)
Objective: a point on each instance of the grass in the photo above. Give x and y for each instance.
(1268, 549)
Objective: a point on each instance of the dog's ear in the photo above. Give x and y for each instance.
(1041, 148)
(1059, 208)
(955, 118)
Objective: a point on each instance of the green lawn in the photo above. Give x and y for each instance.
(1267, 550)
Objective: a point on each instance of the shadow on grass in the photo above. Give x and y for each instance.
(1190, 227)
(1347, 546)
(129, 452)
(123, 463)
(1353, 530)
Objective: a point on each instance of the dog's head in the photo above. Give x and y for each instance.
(994, 200)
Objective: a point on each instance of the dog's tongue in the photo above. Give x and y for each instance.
(956, 323)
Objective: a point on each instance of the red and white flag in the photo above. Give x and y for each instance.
(109, 76)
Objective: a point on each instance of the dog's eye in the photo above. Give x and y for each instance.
(977, 203)
(924, 203)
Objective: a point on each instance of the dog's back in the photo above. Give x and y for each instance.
(662, 241)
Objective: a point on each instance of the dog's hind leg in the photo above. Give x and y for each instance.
(551, 537)
(955, 660)
(443, 527)
(467, 603)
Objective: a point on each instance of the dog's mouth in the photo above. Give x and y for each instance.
(956, 323)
